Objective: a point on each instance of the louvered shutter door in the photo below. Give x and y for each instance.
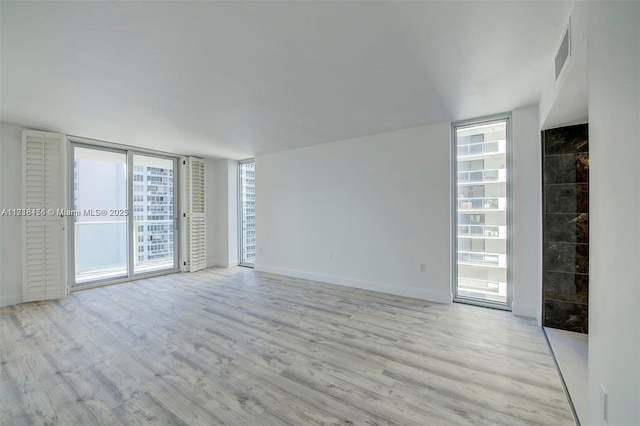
(44, 266)
(196, 230)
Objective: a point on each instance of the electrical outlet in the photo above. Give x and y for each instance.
(423, 267)
(603, 403)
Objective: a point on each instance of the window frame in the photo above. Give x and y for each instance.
(507, 118)
(240, 213)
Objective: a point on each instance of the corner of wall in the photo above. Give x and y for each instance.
(11, 227)
(226, 214)
(211, 199)
(232, 205)
(527, 216)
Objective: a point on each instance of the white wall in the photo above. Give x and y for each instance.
(364, 212)
(614, 249)
(223, 214)
(527, 214)
(212, 212)
(232, 209)
(11, 227)
(564, 102)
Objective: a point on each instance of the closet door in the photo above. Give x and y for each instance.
(195, 215)
(43, 222)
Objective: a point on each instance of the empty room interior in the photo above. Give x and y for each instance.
(414, 213)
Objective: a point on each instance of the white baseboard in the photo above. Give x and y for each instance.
(381, 287)
(222, 263)
(212, 263)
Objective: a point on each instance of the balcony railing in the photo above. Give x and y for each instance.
(162, 257)
(160, 172)
(478, 176)
(101, 249)
(484, 289)
(482, 203)
(482, 258)
(482, 148)
(482, 231)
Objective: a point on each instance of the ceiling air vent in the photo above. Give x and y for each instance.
(563, 51)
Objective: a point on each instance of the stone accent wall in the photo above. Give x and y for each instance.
(565, 283)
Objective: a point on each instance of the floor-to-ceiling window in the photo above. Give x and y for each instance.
(123, 214)
(247, 212)
(482, 213)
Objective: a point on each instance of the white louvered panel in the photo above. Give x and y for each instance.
(34, 173)
(35, 263)
(53, 175)
(44, 265)
(189, 194)
(197, 186)
(196, 219)
(54, 264)
(197, 244)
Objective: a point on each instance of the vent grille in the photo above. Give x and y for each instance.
(563, 52)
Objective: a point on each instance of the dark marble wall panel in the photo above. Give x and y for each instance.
(566, 228)
(566, 140)
(567, 287)
(567, 198)
(564, 257)
(566, 168)
(566, 316)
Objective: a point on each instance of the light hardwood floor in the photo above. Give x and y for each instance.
(234, 346)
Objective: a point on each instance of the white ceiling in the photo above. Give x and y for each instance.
(238, 79)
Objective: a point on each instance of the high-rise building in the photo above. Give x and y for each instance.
(153, 219)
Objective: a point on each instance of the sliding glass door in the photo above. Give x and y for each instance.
(123, 214)
(482, 219)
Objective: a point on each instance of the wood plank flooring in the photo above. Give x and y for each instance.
(238, 347)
